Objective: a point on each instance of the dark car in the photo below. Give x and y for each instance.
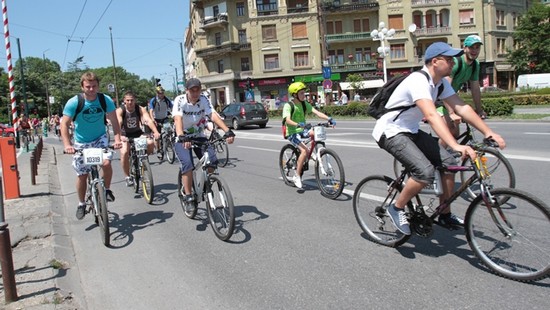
(6, 131)
(240, 114)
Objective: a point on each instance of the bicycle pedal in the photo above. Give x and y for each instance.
(447, 226)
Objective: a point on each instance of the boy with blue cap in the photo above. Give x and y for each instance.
(398, 132)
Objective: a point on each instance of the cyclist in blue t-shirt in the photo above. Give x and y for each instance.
(89, 131)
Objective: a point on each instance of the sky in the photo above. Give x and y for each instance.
(146, 34)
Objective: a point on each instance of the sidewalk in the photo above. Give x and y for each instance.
(41, 258)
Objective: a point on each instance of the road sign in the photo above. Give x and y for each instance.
(111, 88)
(327, 84)
(249, 96)
(327, 72)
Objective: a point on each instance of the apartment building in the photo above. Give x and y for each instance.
(271, 43)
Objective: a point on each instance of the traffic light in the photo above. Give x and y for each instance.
(248, 84)
(157, 82)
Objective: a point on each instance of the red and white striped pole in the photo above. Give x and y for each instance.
(10, 68)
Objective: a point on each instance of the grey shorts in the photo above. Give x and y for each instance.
(78, 161)
(420, 153)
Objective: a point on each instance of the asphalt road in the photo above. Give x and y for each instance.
(291, 249)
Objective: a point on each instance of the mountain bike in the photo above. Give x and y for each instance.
(501, 171)
(140, 168)
(166, 144)
(212, 189)
(507, 229)
(329, 170)
(25, 138)
(220, 145)
(96, 200)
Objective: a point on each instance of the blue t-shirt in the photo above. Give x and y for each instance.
(89, 124)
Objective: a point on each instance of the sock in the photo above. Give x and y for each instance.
(81, 203)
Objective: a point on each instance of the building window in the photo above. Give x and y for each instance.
(501, 46)
(397, 51)
(361, 25)
(299, 31)
(395, 21)
(218, 39)
(216, 10)
(240, 8)
(301, 59)
(271, 62)
(362, 54)
(336, 56)
(269, 33)
(334, 27)
(242, 36)
(245, 64)
(500, 18)
(220, 66)
(466, 17)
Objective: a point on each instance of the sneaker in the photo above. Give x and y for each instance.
(129, 181)
(450, 219)
(297, 181)
(399, 219)
(80, 211)
(110, 196)
(189, 200)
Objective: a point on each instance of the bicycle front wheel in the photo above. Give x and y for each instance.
(510, 235)
(103, 214)
(147, 184)
(502, 173)
(169, 151)
(288, 159)
(220, 208)
(370, 201)
(329, 173)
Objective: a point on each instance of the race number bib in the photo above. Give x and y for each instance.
(140, 143)
(93, 156)
(320, 133)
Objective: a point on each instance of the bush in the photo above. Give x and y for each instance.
(498, 106)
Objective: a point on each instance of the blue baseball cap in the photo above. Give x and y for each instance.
(441, 49)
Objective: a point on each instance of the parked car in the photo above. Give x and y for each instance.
(240, 114)
(6, 130)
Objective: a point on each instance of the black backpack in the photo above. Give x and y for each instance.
(377, 106)
(80, 106)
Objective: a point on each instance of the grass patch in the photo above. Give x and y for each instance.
(55, 264)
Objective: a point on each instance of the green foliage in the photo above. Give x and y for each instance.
(498, 106)
(355, 81)
(531, 35)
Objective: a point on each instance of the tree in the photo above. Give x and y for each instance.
(532, 38)
(355, 82)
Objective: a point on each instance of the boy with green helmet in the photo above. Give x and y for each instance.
(294, 118)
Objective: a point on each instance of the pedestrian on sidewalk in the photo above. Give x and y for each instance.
(88, 112)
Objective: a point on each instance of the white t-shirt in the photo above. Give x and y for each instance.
(193, 115)
(415, 87)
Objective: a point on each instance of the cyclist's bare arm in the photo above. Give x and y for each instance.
(219, 122)
(112, 116)
(66, 121)
(147, 119)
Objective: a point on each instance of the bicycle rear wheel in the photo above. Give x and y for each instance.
(502, 173)
(147, 184)
(510, 236)
(220, 208)
(103, 214)
(370, 201)
(189, 210)
(287, 163)
(329, 173)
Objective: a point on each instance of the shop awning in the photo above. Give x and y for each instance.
(364, 84)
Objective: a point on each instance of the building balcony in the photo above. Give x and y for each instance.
(354, 66)
(348, 37)
(299, 8)
(221, 49)
(433, 31)
(336, 6)
(267, 9)
(214, 21)
(426, 3)
(215, 77)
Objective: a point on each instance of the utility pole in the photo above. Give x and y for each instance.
(324, 47)
(114, 65)
(182, 65)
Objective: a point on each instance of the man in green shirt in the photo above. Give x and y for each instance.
(465, 70)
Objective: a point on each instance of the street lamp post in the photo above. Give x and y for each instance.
(114, 65)
(46, 83)
(176, 90)
(382, 34)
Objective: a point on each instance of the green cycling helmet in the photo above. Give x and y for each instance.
(295, 87)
